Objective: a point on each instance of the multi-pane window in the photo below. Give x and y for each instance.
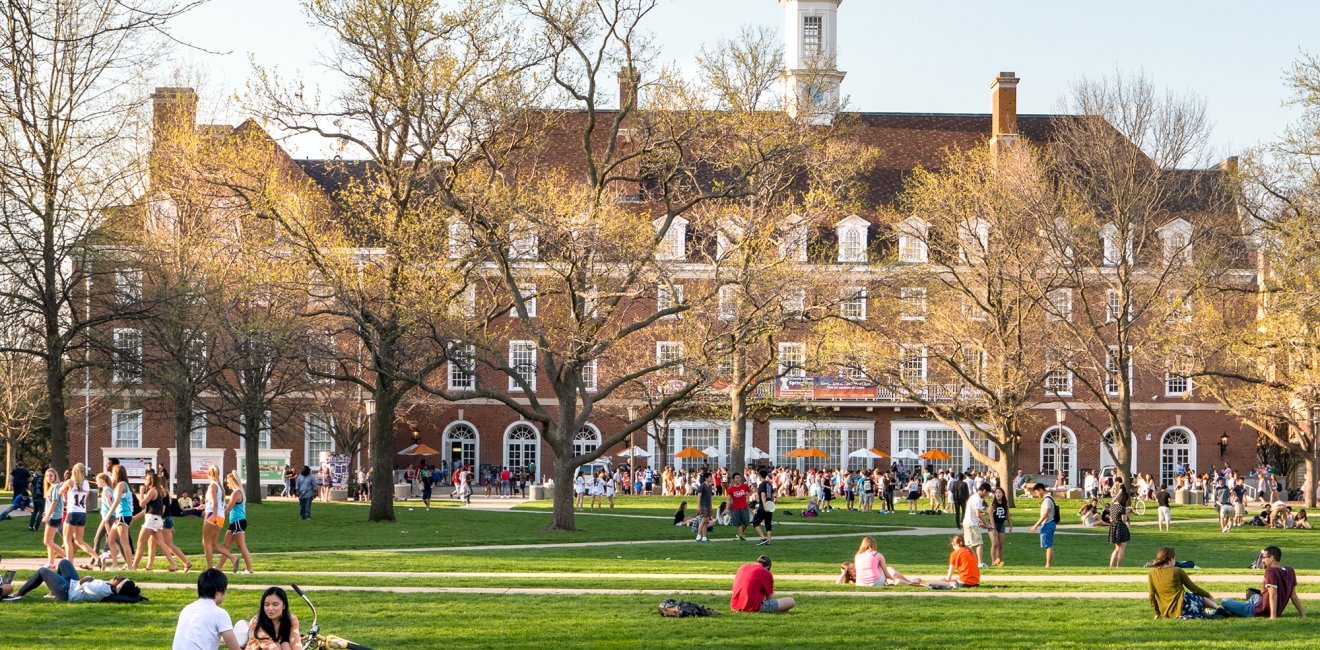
(263, 434)
(127, 361)
(522, 242)
(853, 306)
(1112, 371)
(972, 362)
(1061, 304)
(796, 302)
(811, 34)
(668, 296)
(912, 363)
(912, 241)
(586, 440)
(1113, 305)
(793, 241)
(195, 350)
(197, 431)
(728, 307)
(1176, 236)
(590, 376)
(528, 292)
(1110, 240)
(319, 439)
(1175, 451)
(1056, 452)
(669, 354)
(852, 244)
(792, 360)
(460, 240)
(1176, 381)
(674, 244)
(1058, 378)
(462, 367)
(126, 428)
(128, 286)
(913, 300)
(522, 360)
(855, 371)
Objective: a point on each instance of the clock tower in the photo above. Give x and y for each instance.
(811, 77)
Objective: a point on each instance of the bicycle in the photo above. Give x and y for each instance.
(1138, 505)
(314, 639)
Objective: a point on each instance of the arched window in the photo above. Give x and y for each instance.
(1108, 459)
(1058, 452)
(522, 450)
(1177, 451)
(460, 444)
(586, 440)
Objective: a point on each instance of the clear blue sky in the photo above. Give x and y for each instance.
(918, 55)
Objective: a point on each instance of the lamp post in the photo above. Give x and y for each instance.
(632, 446)
(1058, 440)
(1223, 445)
(369, 411)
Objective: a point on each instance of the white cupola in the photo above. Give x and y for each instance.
(811, 78)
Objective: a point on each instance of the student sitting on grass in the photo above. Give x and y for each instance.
(1278, 587)
(962, 561)
(868, 569)
(1090, 513)
(680, 515)
(1300, 520)
(1172, 593)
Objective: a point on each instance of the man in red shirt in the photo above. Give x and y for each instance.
(1277, 589)
(962, 561)
(739, 514)
(752, 587)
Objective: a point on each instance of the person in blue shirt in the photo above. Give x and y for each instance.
(21, 502)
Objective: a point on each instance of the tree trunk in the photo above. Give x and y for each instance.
(563, 518)
(9, 457)
(1308, 481)
(1006, 465)
(382, 451)
(737, 430)
(183, 448)
(252, 422)
(57, 419)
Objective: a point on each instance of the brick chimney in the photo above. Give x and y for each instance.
(629, 79)
(174, 112)
(1003, 110)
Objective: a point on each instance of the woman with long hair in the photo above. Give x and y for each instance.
(213, 518)
(53, 515)
(165, 536)
(121, 514)
(871, 570)
(75, 492)
(155, 502)
(1119, 534)
(274, 628)
(107, 507)
(1001, 519)
(236, 514)
(1172, 593)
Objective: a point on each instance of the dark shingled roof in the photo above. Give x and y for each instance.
(334, 175)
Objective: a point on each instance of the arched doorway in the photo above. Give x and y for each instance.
(586, 440)
(1058, 452)
(522, 450)
(1177, 448)
(460, 444)
(1108, 460)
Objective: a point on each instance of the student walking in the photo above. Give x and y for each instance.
(306, 490)
(1119, 534)
(121, 515)
(213, 518)
(1001, 519)
(75, 492)
(53, 516)
(155, 504)
(236, 514)
(1049, 520)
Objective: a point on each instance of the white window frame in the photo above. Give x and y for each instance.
(1111, 368)
(590, 376)
(914, 301)
(727, 309)
(851, 233)
(128, 285)
(462, 376)
(1113, 305)
(523, 242)
(127, 370)
(1061, 305)
(667, 351)
(126, 428)
(1176, 240)
(853, 305)
(264, 437)
(912, 245)
(1109, 241)
(813, 25)
(908, 362)
(197, 430)
(1176, 385)
(673, 247)
(529, 296)
(525, 368)
(1058, 378)
(792, 359)
(664, 299)
(316, 423)
(974, 240)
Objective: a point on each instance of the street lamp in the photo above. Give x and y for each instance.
(369, 411)
(632, 446)
(1223, 445)
(1058, 440)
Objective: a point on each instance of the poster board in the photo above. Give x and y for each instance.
(270, 465)
(200, 458)
(338, 464)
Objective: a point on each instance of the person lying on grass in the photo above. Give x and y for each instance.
(868, 569)
(66, 586)
(1172, 593)
(962, 561)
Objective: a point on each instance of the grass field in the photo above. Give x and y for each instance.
(510, 550)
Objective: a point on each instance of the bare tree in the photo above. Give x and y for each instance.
(69, 109)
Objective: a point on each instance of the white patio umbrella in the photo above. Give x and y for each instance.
(864, 453)
(635, 452)
(906, 454)
(713, 452)
(756, 454)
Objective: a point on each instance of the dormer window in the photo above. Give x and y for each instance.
(1112, 243)
(852, 239)
(912, 241)
(1176, 237)
(727, 238)
(522, 242)
(812, 27)
(674, 245)
(974, 240)
(793, 240)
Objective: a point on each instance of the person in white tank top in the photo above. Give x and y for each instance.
(76, 491)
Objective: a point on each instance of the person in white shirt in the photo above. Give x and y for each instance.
(975, 520)
(203, 624)
(1090, 485)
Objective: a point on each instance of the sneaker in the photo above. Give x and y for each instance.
(982, 566)
(741, 538)
(705, 539)
(10, 599)
(763, 542)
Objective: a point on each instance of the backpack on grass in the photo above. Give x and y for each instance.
(683, 609)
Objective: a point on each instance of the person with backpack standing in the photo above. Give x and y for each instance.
(1048, 522)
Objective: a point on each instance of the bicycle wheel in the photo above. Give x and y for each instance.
(1139, 506)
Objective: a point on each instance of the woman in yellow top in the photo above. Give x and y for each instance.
(1172, 593)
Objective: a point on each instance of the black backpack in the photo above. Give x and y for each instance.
(683, 609)
(1055, 506)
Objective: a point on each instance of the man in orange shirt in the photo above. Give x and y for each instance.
(962, 561)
